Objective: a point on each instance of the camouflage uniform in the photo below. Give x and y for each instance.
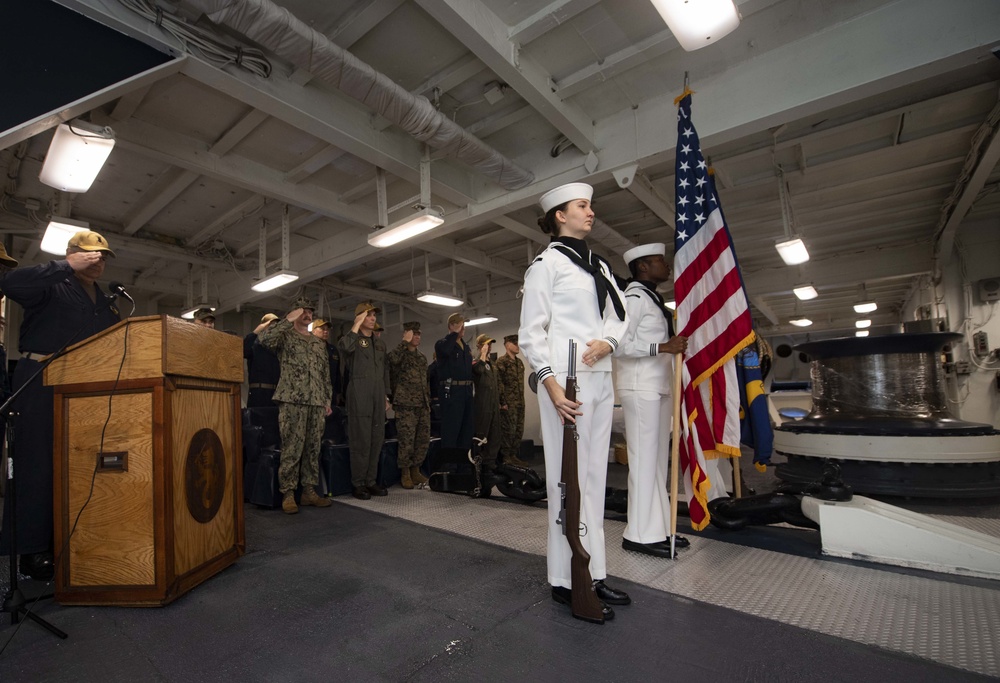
(303, 395)
(411, 403)
(510, 381)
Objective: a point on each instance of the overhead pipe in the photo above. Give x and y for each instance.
(288, 37)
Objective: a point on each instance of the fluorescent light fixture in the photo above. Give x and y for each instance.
(697, 23)
(672, 305)
(792, 252)
(440, 299)
(189, 313)
(862, 324)
(865, 307)
(801, 322)
(58, 232)
(420, 222)
(76, 155)
(481, 321)
(805, 292)
(278, 279)
(861, 333)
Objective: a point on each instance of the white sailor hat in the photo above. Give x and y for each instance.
(655, 249)
(565, 193)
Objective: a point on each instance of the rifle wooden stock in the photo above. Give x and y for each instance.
(585, 604)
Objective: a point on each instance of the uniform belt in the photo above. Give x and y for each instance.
(34, 356)
(460, 382)
(258, 385)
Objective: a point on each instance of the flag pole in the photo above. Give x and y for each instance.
(737, 478)
(675, 444)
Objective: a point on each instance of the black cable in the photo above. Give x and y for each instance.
(93, 478)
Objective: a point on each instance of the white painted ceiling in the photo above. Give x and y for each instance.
(870, 108)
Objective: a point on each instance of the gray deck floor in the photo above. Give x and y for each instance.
(425, 586)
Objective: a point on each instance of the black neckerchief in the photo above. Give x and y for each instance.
(650, 289)
(580, 254)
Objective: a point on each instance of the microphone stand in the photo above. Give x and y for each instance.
(14, 601)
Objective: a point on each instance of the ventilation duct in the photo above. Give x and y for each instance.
(278, 30)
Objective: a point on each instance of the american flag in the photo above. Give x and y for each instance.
(712, 311)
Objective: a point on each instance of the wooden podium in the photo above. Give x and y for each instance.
(167, 506)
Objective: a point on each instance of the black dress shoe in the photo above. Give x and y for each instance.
(564, 596)
(611, 596)
(38, 566)
(660, 549)
(361, 493)
(679, 542)
(377, 490)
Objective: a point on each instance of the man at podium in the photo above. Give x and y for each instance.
(63, 304)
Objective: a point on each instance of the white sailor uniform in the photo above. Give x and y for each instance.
(560, 303)
(643, 382)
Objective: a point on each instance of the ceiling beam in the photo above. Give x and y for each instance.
(451, 76)
(248, 206)
(179, 150)
(894, 45)
(646, 193)
(970, 185)
(358, 24)
(482, 31)
(171, 184)
(534, 234)
(616, 63)
(549, 17)
(338, 121)
(765, 309)
(157, 196)
(29, 129)
(320, 159)
(473, 257)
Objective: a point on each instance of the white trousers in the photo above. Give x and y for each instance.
(594, 428)
(647, 432)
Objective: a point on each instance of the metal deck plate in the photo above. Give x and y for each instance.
(953, 622)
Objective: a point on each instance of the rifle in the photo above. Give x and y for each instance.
(585, 604)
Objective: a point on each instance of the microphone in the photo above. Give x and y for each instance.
(118, 289)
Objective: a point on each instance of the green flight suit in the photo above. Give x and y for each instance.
(365, 363)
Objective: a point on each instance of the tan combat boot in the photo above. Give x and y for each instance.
(405, 481)
(416, 476)
(310, 497)
(288, 503)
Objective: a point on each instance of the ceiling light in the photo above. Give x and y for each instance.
(865, 307)
(697, 24)
(862, 324)
(861, 333)
(806, 292)
(440, 299)
(792, 251)
(420, 222)
(189, 313)
(801, 322)
(481, 321)
(278, 279)
(57, 234)
(76, 155)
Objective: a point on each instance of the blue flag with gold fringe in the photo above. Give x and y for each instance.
(755, 423)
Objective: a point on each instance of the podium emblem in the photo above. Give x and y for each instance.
(205, 475)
